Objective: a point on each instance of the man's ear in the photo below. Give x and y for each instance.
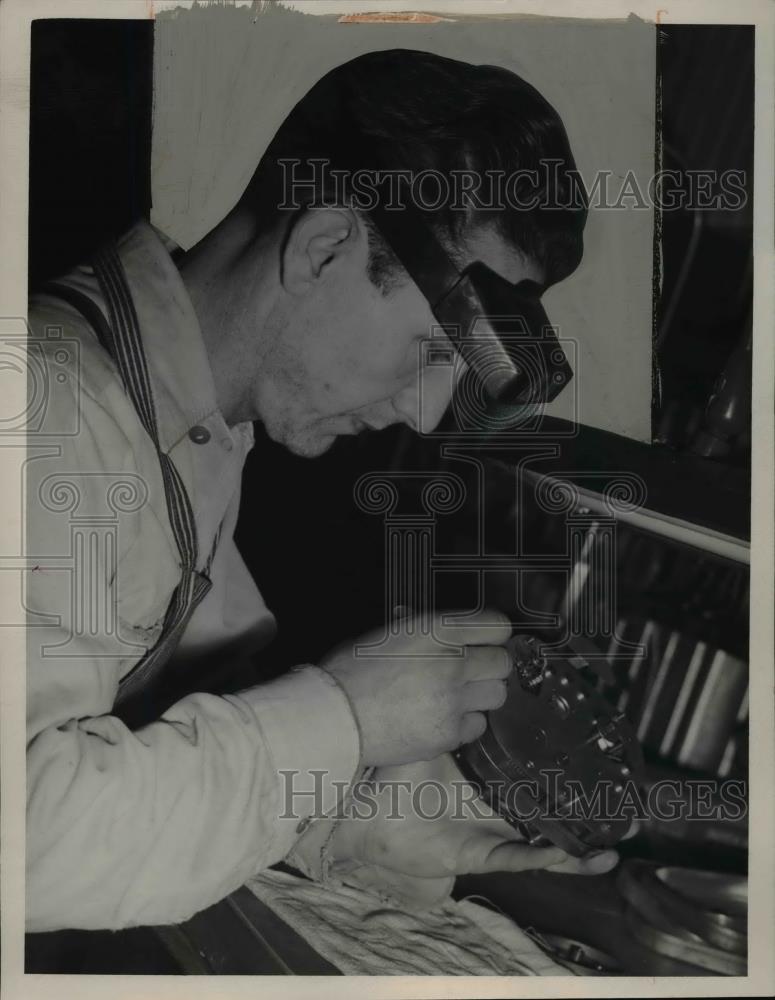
(317, 239)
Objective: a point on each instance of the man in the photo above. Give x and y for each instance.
(303, 320)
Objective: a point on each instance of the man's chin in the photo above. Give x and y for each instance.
(310, 446)
(313, 439)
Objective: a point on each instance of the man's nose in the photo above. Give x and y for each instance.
(422, 405)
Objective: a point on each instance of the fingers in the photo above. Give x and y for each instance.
(499, 855)
(592, 864)
(487, 628)
(484, 663)
(494, 854)
(483, 696)
(472, 726)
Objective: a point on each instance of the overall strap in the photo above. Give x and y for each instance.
(119, 334)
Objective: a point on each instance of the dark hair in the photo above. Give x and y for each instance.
(408, 110)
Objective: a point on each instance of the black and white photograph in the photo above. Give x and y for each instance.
(387, 448)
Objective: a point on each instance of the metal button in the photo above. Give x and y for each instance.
(199, 434)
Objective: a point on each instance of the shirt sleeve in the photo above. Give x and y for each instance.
(150, 827)
(127, 828)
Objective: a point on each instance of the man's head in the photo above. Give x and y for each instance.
(339, 345)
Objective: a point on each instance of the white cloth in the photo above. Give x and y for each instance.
(363, 935)
(128, 828)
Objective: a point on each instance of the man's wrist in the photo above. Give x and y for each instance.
(312, 740)
(327, 841)
(354, 711)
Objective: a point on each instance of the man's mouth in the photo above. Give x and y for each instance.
(357, 425)
(360, 425)
(379, 425)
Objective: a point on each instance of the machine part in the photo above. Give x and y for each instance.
(723, 897)
(708, 905)
(530, 667)
(684, 946)
(728, 413)
(557, 760)
(580, 958)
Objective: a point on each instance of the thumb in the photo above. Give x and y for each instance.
(593, 864)
(494, 854)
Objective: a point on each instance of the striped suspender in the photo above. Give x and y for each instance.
(120, 336)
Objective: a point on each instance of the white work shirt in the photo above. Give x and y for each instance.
(148, 827)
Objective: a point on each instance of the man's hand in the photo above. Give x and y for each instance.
(416, 696)
(467, 838)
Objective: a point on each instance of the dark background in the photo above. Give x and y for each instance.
(91, 88)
